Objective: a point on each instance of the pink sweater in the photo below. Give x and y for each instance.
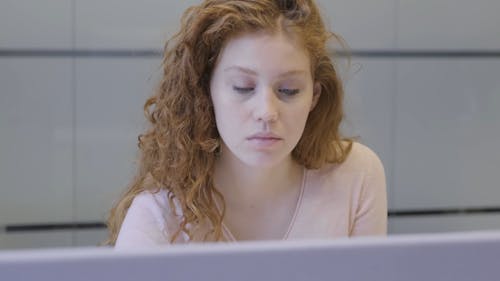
(338, 200)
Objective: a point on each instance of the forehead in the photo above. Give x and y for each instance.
(264, 51)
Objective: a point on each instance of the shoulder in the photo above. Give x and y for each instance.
(361, 160)
(148, 221)
(151, 199)
(155, 204)
(153, 207)
(355, 190)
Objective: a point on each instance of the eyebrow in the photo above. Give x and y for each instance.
(254, 73)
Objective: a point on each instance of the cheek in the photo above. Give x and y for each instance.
(223, 107)
(229, 115)
(297, 118)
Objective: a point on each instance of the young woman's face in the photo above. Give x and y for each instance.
(262, 92)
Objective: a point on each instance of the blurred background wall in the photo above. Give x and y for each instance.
(423, 91)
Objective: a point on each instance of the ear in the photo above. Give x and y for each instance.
(316, 94)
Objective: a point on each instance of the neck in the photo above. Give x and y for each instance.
(245, 184)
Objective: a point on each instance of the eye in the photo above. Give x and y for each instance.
(288, 92)
(243, 90)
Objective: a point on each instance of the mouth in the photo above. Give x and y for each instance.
(264, 140)
(264, 137)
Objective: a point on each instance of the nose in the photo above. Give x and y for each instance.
(266, 106)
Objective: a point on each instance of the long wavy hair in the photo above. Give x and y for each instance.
(179, 149)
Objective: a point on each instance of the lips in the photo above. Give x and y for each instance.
(264, 141)
(264, 137)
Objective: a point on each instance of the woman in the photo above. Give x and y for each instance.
(244, 141)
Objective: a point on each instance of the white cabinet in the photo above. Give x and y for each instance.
(89, 237)
(42, 239)
(448, 25)
(33, 24)
(364, 25)
(444, 223)
(447, 133)
(127, 24)
(36, 144)
(110, 95)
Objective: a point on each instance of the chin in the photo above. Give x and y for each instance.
(259, 160)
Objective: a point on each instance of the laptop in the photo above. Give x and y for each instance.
(468, 256)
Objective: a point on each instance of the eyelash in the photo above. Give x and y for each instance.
(242, 90)
(246, 90)
(289, 92)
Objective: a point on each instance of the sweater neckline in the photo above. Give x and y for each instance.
(230, 237)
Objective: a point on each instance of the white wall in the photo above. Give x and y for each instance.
(69, 124)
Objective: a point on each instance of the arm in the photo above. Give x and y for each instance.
(371, 214)
(142, 226)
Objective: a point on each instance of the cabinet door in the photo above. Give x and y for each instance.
(110, 94)
(364, 25)
(448, 25)
(30, 240)
(127, 24)
(447, 133)
(445, 223)
(33, 24)
(36, 144)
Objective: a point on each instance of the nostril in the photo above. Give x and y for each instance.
(271, 117)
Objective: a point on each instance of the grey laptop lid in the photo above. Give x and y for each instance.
(457, 256)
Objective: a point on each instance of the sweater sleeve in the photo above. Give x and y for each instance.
(143, 225)
(371, 213)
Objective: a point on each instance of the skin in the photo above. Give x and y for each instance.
(262, 92)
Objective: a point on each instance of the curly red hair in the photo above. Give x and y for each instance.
(179, 149)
